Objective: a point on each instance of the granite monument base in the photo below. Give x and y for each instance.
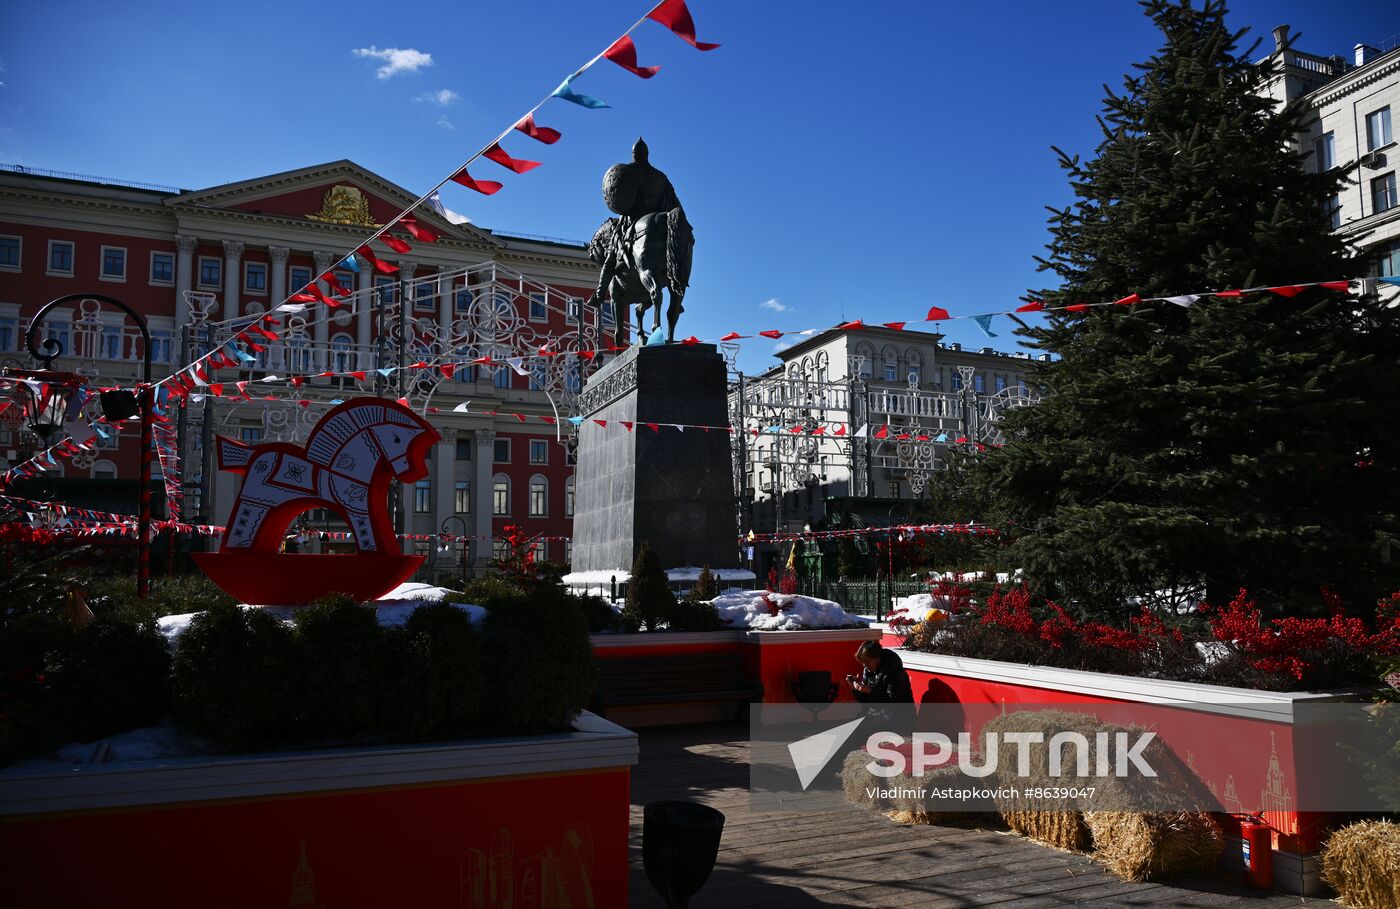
(670, 488)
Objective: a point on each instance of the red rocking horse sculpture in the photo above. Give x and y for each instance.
(349, 459)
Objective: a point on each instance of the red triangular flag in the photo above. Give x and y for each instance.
(602, 423)
(626, 425)
(360, 375)
(882, 433)
(1290, 290)
(674, 15)
(216, 389)
(1033, 306)
(519, 416)
(896, 326)
(330, 279)
(485, 187)
(1229, 293)
(937, 314)
(733, 335)
(692, 340)
(840, 430)
(418, 231)
(394, 243)
(656, 428)
(448, 369)
(819, 431)
(1076, 307)
(1335, 285)
(624, 53)
(1129, 300)
(541, 133)
(771, 333)
(379, 264)
(498, 154)
(850, 326)
(297, 381)
(588, 354)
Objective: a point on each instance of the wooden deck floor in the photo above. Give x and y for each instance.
(850, 858)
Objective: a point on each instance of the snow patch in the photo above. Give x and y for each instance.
(688, 573)
(751, 609)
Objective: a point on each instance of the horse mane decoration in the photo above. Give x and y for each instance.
(349, 459)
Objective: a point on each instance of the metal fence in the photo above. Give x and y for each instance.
(865, 597)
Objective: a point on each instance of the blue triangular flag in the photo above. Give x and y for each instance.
(984, 322)
(656, 337)
(350, 263)
(1393, 279)
(98, 429)
(240, 354)
(334, 401)
(385, 371)
(566, 91)
(942, 437)
(576, 420)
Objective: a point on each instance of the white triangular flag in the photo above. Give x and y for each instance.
(679, 427)
(860, 433)
(461, 408)
(518, 364)
(270, 379)
(1184, 299)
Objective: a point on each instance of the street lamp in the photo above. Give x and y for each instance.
(47, 419)
(446, 543)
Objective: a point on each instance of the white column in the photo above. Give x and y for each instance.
(184, 277)
(481, 496)
(277, 284)
(444, 486)
(321, 327)
(364, 314)
(233, 278)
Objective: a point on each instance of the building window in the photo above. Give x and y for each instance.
(979, 383)
(539, 451)
(539, 312)
(255, 277)
(500, 495)
(501, 379)
(211, 271)
(538, 552)
(609, 312)
(387, 290)
(502, 453)
(576, 309)
(9, 332)
(1001, 383)
(60, 257)
(162, 268)
(464, 449)
(568, 552)
(422, 548)
(1378, 128)
(422, 497)
(250, 435)
(462, 300)
(113, 263)
(423, 296)
(1325, 152)
(539, 494)
(500, 550)
(109, 345)
(104, 470)
(1388, 266)
(462, 496)
(342, 353)
(1334, 211)
(957, 380)
(569, 498)
(891, 371)
(162, 345)
(298, 277)
(9, 253)
(1383, 193)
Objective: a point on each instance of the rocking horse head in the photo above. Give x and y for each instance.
(398, 437)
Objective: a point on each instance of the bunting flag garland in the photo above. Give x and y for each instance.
(380, 266)
(394, 243)
(518, 165)
(624, 53)
(543, 134)
(416, 231)
(674, 15)
(566, 92)
(902, 530)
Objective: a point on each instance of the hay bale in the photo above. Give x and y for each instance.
(1362, 863)
(1135, 844)
(1142, 846)
(867, 790)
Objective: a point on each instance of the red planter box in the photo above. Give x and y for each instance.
(525, 821)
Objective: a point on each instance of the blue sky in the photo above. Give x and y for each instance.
(837, 160)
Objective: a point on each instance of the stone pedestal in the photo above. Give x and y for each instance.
(671, 489)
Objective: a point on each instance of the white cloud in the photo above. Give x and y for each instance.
(772, 304)
(445, 123)
(443, 97)
(396, 60)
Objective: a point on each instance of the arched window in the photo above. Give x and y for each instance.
(823, 367)
(916, 366)
(539, 496)
(569, 497)
(500, 494)
(298, 352)
(104, 470)
(342, 355)
(866, 357)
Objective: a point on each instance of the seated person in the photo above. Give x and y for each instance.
(883, 680)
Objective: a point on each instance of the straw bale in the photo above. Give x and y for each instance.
(1141, 846)
(1362, 863)
(858, 783)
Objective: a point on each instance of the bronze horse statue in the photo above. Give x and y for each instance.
(646, 248)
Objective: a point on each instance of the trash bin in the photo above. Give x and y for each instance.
(679, 843)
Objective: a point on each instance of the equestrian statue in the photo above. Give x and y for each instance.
(647, 247)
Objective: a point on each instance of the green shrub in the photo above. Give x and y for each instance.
(695, 615)
(706, 587)
(114, 676)
(598, 614)
(343, 656)
(538, 665)
(436, 666)
(233, 676)
(649, 597)
(489, 590)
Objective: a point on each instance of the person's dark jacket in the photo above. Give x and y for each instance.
(889, 683)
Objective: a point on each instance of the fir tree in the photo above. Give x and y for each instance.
(649, 598)
(1240, 441)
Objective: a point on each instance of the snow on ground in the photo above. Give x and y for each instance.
(686, 574)
(392, 609)
(750, 609)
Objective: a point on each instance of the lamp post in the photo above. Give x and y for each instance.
(115, 406)
(447, 544)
